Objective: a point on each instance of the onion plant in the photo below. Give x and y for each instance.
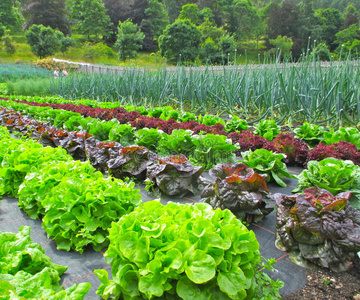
(305, 91)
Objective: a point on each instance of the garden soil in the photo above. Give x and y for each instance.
(299, 283)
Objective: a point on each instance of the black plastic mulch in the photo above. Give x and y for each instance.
(81, 266)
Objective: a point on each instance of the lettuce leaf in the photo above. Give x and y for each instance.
(180, 250)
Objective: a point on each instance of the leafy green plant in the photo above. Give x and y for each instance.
(266, 287)
(267, 129)
(148, 138)
(267, 162)
(20, 158)
(94, 203)
(180, 251)
(347, 134)
(319, 228)
(211, 149)
(179, 141)
(173, 176)
(27, 273)
(38, 184)
(236, 124)
(239, 189)
(132, 162)
(210, 120)
(311, 133)
(123, 133)
(334, 175)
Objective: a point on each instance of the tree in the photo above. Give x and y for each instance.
(92, 18)
(240, 18)
(157, 18)
(190, 12)
(351, 16)
(180, 41)
(51, 13)
(44, 41)
(129, 40)
(120, 10)
(154, 24)
(331, 21)
(284, 20)
(10, 16)
(173, 7)
(9, 46)
(283, 44)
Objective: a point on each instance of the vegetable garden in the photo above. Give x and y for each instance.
(76, 165)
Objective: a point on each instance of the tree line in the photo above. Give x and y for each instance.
(182, 31)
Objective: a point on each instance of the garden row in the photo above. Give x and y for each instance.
(177, 137)
(172, 251)
(164, 173)
(324, 206)
(301, 92)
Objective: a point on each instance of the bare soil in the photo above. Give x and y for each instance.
(323, 284)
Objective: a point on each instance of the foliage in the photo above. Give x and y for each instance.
(26, 272)
(334, 175)
(123, 133)
(239, 189)
(318, 227)
(92, 18)
(181, 250)
(129, 39)
(210, 120)
(180, 42)
(311, 133)
(295, 149)
(44, 41)
(211, 149)
(94, 205)
(282, 44)
(148, 138)
(8, 44)
(190, 12)
(97, 51)
(236, 124)
(321, 52)
(266, 162)
(157, 17)
(248, 141)
(180, 141)
(10, 16)
(173, 176)
(49, 13)
(18, 159)
(346, 134)
(267, 128)
(133, 162)
(341, 150)
(38, 184)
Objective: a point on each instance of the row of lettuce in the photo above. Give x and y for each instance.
(155, 251)
(196, 140)
(295, 228)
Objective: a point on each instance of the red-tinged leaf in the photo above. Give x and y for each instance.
(234, 179)
(131, 149)
(9, 122)
(257, 179)
(335, 206)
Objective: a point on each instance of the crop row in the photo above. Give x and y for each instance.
(78, 206)
(301, 92)
(235, 178)
(299, 149)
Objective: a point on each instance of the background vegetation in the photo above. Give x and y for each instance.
(177, 31)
